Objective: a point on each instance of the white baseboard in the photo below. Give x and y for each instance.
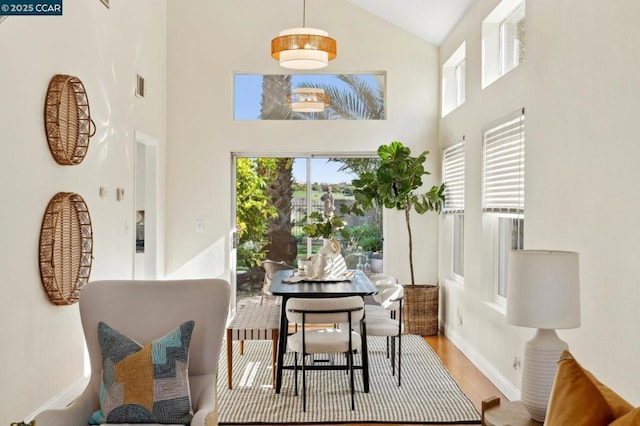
(63, 399)
(485, 367)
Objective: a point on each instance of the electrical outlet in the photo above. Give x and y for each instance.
(459, 314)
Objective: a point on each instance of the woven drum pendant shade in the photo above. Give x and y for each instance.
(67, 119)
(66, 248)
(308, 99)
(303, 48)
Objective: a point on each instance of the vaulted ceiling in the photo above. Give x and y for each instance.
(431, 20)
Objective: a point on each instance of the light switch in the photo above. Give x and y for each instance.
(199, 225)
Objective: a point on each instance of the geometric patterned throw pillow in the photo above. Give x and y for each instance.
(144, 384)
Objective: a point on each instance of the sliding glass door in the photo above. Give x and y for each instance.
(273, 200)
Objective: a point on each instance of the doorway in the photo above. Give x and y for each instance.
(146, 265)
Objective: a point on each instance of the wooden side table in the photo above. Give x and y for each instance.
(508, 413)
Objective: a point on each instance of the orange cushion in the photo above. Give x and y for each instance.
(578, 398)
(632, 418)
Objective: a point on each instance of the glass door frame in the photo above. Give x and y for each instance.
(295, 154)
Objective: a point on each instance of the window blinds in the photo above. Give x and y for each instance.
(453, 177)
(503, 165)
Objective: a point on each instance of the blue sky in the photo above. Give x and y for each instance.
(322, 171)
(248, 90)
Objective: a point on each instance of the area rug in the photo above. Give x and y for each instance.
(428, 393)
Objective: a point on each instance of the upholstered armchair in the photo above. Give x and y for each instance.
(144, 311)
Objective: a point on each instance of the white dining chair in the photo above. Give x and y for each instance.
(391, 297)
(376, 310)
(325, 340)
(270, 268)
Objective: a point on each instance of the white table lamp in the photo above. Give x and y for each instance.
(543, 292)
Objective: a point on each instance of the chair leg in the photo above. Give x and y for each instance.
(295, 372)
(274, 355)
(351, 381)
(304, 383)
(393, 355)
(399, 356)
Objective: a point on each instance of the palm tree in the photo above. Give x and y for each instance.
(278, 172)
(359, 101)
(275, 89)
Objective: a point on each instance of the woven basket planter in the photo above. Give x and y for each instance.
(420, 309)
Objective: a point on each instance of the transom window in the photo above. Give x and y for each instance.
(503, 40)
(453, 81)
(344, 96)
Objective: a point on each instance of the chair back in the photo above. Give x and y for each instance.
(391, 296)
(383, 279)
(146, 310)
(271, 267)
(329, 310)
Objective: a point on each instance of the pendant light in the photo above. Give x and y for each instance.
(303, 48)
(308, 99)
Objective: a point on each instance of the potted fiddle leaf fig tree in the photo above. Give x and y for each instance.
(395, 184)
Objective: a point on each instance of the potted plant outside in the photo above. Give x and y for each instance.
(395, 185)
(323, 226)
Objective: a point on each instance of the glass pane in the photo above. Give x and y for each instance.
(460, 89)
(274, 198)
(512, 40)
(510, 237)
(269, 96)
(458, 244)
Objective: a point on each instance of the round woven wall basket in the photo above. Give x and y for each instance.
(67, 119)
(66, 248)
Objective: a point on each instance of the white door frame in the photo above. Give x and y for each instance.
(147, 265)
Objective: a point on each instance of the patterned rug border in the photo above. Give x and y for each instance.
(428, 395)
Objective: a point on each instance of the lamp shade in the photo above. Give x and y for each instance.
(543, 289)
(308, 99)
(303, 48)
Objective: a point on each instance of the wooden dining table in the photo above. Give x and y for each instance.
(357, 285)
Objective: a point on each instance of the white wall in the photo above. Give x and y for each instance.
(580, 88)
(42, 344)
(208, 43)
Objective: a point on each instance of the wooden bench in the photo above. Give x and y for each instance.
(253, 322)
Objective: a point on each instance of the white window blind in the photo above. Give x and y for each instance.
(453, 177)
(504, 165)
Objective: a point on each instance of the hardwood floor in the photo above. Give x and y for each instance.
(472, 382)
